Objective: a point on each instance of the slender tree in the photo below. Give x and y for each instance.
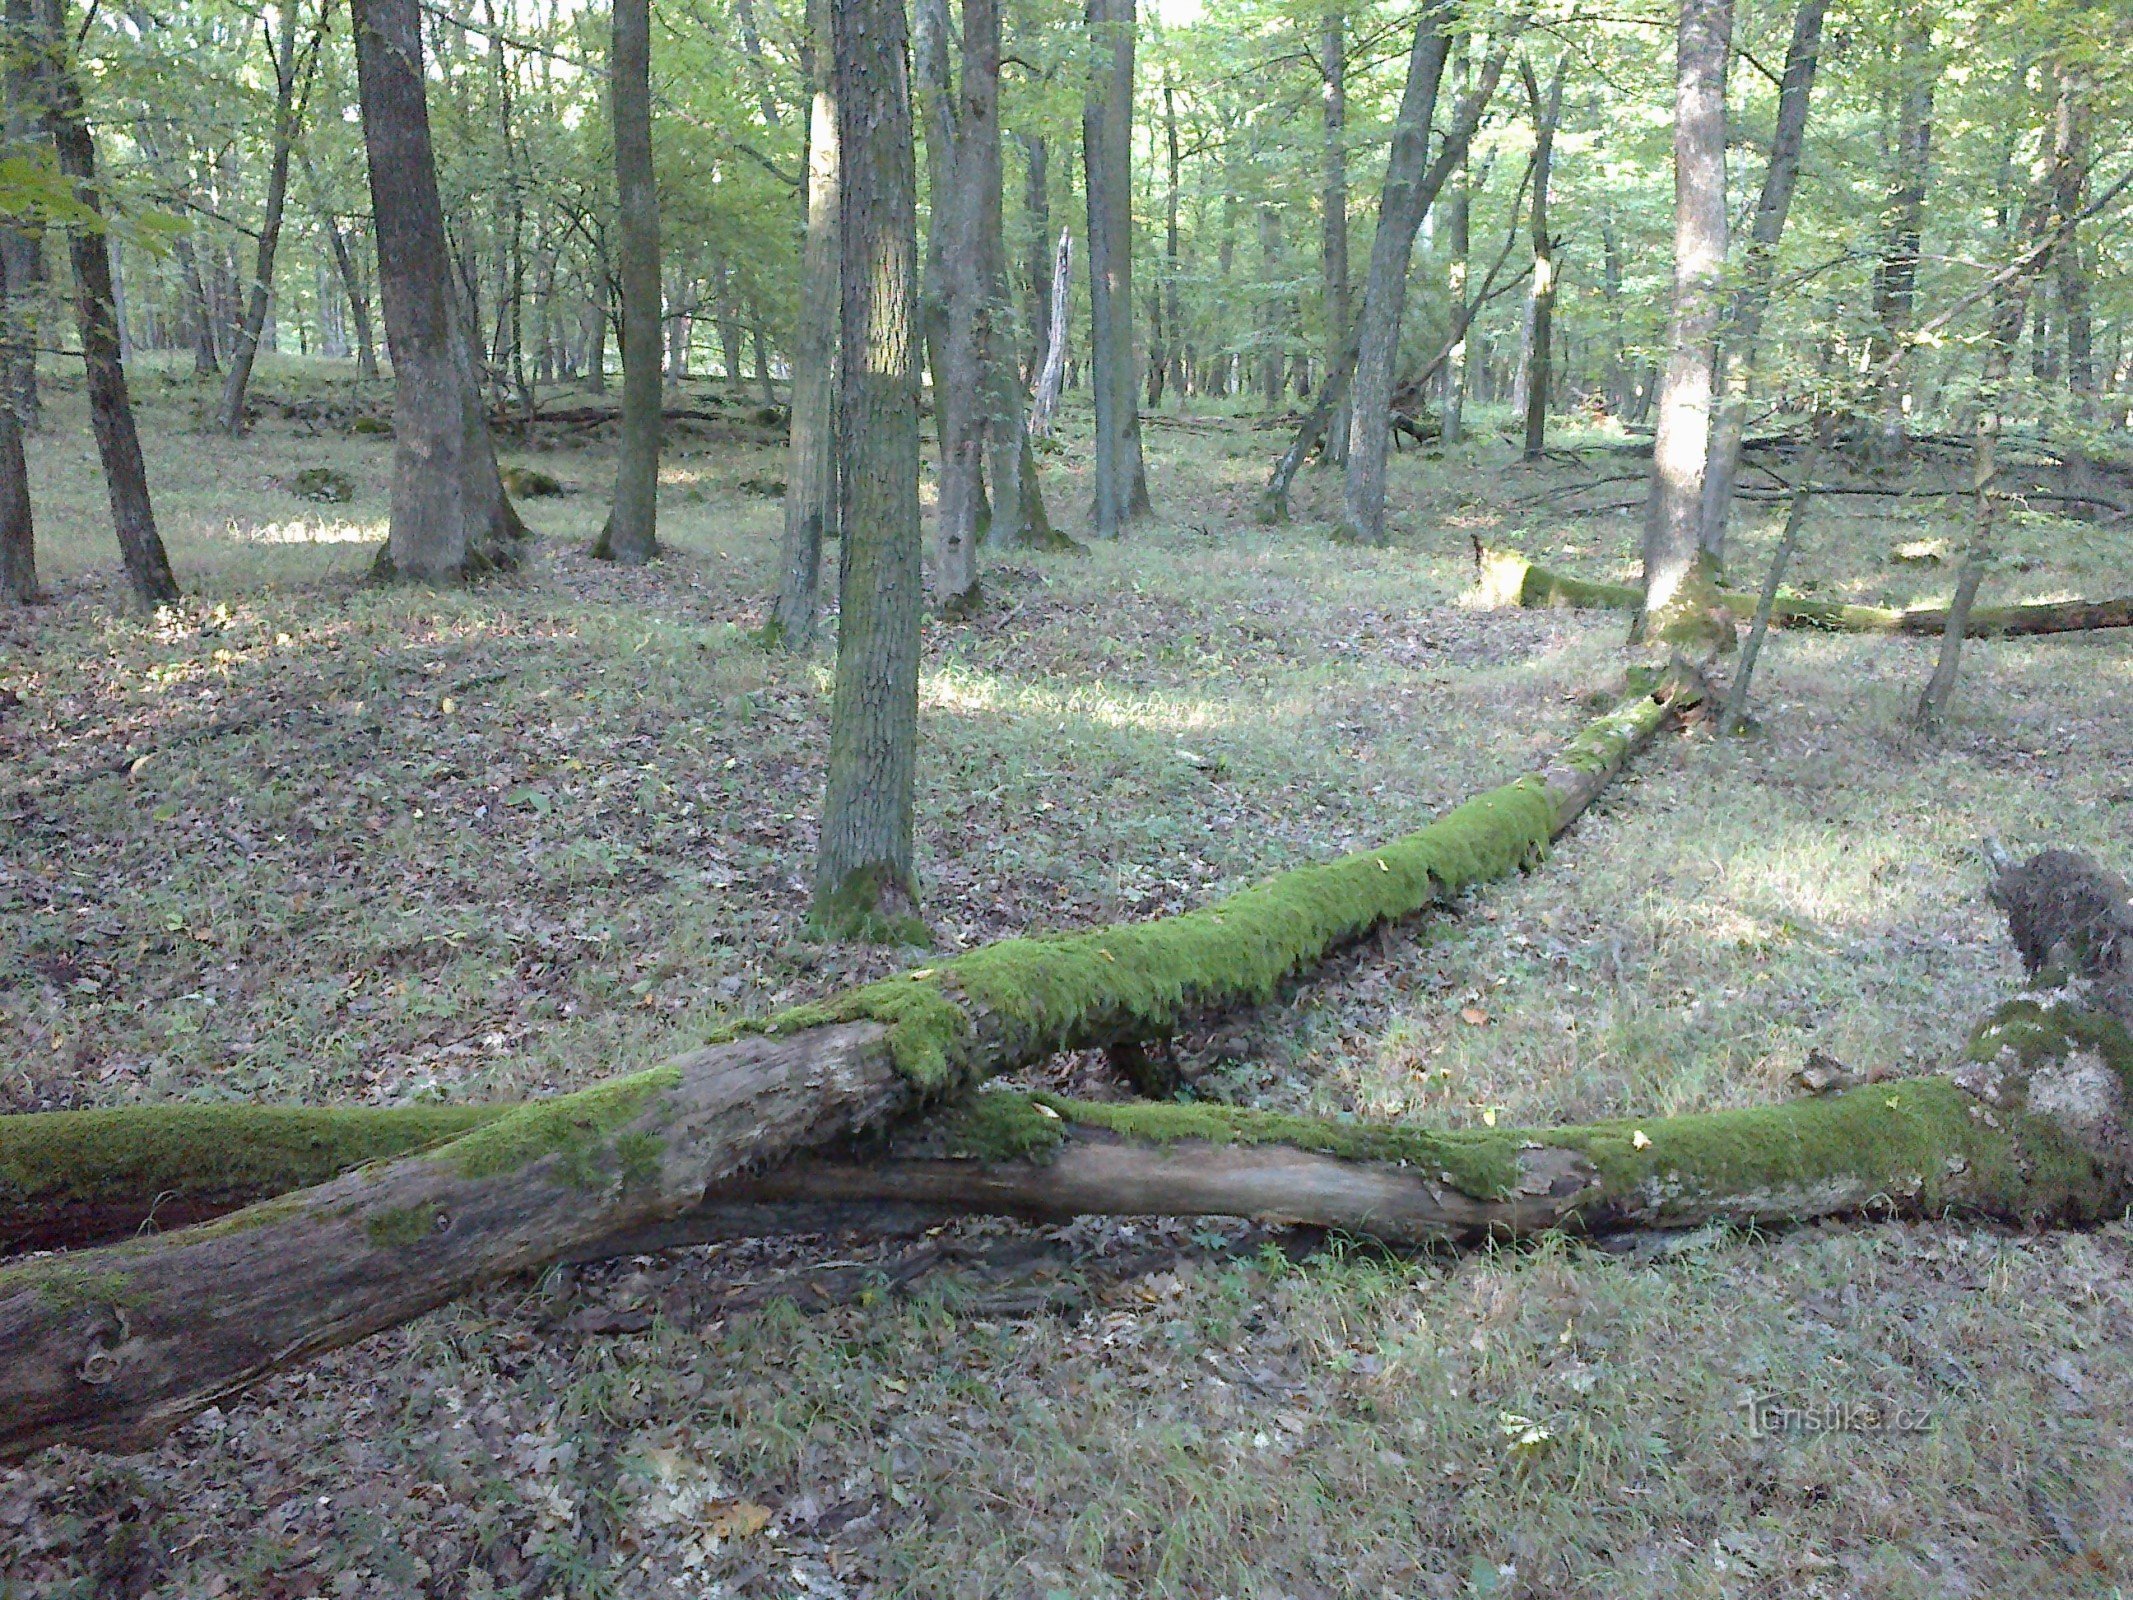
(118, 442)
(631, 535)
(2040, 231)
(1037, 248)
(1547, 110)
(18, 533)
(293, 66)
(450, 516)
(1335, 296)
(1458, 245)
(1051, 368)
(1896, 280)
(1107, 149)
(957, 119)
(1412, 181)
(344, 265)
(1744, 321)
(865, 883)
(811, 467)
(1679, 587)
(21, 240)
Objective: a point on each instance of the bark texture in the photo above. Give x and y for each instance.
(1547, 110)
(450, 517)
(631, 535)
(865, 885)
(1678, 582)
(18, 530)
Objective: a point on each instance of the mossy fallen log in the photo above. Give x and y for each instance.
(1510, 579)
(2028, 1130)
(114, 1346)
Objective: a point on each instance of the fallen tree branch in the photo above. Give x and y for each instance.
(115, 1346)
(1510, 579)
(2031, 1126)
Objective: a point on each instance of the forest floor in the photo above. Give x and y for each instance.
(304, 838)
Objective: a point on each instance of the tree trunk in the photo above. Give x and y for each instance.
(1411, 184)
(1107, 147)
(2070, 162)
(1458, 241)
(811, 468)
(1051, 375)
(955, 283)
(96, 313)
(114, 1348)
(21, 247)
(2003, 331)
(1273, 356)
(18, 532)
(450, 517)
(865, 885)
(1803, 493)
(1896, 280)
(1019, 516)
(1744, 324)
(1678, 582)
(18, 346)
(631, 535)
(1335, 295)
(1166, 356)
(1547, 110)
(288, 123)
(1037, 208)
(366, 344)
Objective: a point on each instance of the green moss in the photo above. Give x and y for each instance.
(1916, 1138)
(1540, 589)
(574, 1126)
(407, 1225)
(857, 909)
(65, 1287)
(2039, 1030)
(1034, 996)
(225, 1151)
(995, 1126)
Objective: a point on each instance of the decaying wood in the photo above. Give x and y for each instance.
(1511, 579)
(115, 1346)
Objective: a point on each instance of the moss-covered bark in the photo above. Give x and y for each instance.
(1513, 580)
(2029, 1128)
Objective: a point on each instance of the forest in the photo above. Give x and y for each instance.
(1242, 799)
